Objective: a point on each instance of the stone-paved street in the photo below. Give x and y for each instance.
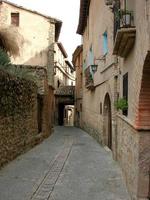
(69, 165)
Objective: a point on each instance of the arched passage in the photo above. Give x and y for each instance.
(143, 112)
(142, 124)
(107, 121)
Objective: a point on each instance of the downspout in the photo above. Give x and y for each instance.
(125, 9)
(125, 5)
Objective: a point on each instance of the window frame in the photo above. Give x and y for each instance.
(15, 18)
(105, 43)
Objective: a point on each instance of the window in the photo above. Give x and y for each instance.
(15, 19)
(100, 108)
(91, 56)
(58, 83)
(125, 91)
(105, 43)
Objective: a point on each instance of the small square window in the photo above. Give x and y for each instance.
(15, 19)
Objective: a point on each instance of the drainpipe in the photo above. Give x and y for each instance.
(125, 5)
(125, 9)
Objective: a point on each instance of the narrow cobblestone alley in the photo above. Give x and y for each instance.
(69, 165)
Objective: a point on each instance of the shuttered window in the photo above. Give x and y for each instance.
(125, 91)
(105, 43)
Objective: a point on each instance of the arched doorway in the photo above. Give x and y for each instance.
(107, 121)
(61, 114)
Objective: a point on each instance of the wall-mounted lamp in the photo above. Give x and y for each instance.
(94, 68)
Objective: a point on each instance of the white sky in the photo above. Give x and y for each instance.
(65, 10)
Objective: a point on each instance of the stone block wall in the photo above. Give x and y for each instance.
(46, 94)
(48, 111)
(133, 152)
(18, 116)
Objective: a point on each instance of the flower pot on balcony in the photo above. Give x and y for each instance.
(126, 19)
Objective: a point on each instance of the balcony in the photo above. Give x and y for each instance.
(125, 33)
(89, 81)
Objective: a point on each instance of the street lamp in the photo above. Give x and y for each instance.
(94, 68)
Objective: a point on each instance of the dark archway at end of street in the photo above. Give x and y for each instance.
(61, 114)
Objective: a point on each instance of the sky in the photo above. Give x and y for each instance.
(65, 10)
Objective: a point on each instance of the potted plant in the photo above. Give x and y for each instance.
(126, 18)
(121, 104)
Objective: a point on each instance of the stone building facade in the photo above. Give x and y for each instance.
(77, 62)
(64, 71)
(116, 40)
(38, 34)
(64, 80)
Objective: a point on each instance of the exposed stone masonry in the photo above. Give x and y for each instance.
(18, 116)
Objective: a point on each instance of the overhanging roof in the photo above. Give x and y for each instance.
(84, 11)
(77, 51)
(61, 47)
(69, 64)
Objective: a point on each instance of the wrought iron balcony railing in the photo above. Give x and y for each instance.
(122, 19)
(89, 80)
(124, 32)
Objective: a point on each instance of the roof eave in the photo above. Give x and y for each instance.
(61, 47)
(58, 25)
(69, 64)
(84, 11)
(77, 51)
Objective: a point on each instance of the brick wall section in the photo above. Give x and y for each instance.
(143, 112)
(18, 116)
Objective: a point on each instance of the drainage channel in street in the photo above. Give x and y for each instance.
(46, 186)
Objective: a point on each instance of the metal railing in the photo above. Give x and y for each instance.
(88, 76)
(123, 18)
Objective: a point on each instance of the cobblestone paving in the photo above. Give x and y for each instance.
(69, 165)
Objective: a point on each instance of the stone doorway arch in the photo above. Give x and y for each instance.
(107, 121)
